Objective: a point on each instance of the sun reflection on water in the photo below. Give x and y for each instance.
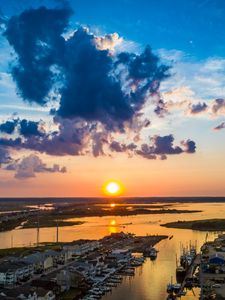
(113, 228)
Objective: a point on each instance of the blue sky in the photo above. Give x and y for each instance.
(184, 114)
(196, 27)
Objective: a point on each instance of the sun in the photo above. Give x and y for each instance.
(112, 188)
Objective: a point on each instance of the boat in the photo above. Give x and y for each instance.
(176, 288)
(173, 288)
(153, 253)
(169, 288)
(171, 297)
(180, 270)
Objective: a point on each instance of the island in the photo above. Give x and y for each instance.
(201, 225)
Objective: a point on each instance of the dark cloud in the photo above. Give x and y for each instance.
(30, 165)
(98, 91)
(189, 146)
(144, 66)
(161, 108)
(220, 126)
(163, 145)
(198, 108)
(218, 105)
(85, 77)
(28, 128)
(121, 147)
(36, 38)
(8, 126)
(99, 139)
(4, 156)
(13, 143)
(25, 127)
(69, 139)
(90, 91)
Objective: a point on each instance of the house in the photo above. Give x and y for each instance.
(46, 284)
(11, 272)
(83, 268)
(67, 279)
(41, 262)
(27, 293)
(81, 247)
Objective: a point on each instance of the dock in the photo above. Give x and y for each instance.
(190, 273)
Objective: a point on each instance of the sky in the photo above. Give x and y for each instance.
(126, 90)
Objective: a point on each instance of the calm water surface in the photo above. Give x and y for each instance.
(150, 280)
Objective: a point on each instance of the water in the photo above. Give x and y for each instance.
(151, 279)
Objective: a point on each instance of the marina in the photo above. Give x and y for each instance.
(145, 277)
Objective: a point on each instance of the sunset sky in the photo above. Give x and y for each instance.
(125, 90)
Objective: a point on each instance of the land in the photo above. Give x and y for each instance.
(23, 251)
(68, 214)
(212, 275)
(201, 225)
(42, 219)
(7, 225)
(49, 221)
(73, 270)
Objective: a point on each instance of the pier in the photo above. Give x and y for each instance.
(189, 274)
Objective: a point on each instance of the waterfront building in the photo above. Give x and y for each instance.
(67, 279)
(11, 272)
(28, 293)
(41, 262)
(81, 247)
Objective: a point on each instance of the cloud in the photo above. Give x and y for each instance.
(79, 69)
(25, 127)
(198, 108)
(36, 38)
(28, 128)
(161, 108)
(160, 146)
(97, 92)
(218, 106)
(4, 156)
(184, 101)
(30, 165)
(220, 126)
(204, 78)
(8, 126)
(116, 146)
(108, 41)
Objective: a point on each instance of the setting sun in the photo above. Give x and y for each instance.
(112, 188)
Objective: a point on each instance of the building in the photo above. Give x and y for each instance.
(81, 247)
(67, 279)
(41, 262)
(121, 255)
(27, 293)
(12, 272)
(216, 259)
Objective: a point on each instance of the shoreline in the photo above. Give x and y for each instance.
(62, 217)
(200, 225)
